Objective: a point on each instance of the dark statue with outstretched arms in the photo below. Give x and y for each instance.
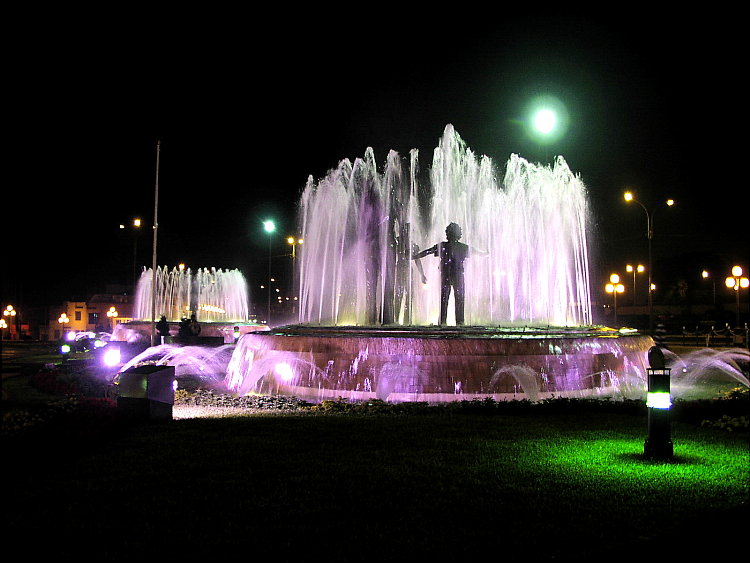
(452, 254)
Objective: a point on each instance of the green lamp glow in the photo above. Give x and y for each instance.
(544, 121)
(548, 119)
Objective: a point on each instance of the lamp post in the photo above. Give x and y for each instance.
(735, 282)
(112, 314)
(614, 287)
(293, 241)
(137, 225)
(650, 235)
(705, 274)
(658, 444)
(270, 227)
(10, 312)
(640, 268)
(63, 320)
(136, 228)
(153, 246)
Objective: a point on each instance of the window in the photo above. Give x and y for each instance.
(78, 315)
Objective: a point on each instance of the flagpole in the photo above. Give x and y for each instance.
(153, 257)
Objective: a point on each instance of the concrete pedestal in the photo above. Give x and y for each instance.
(146, 392)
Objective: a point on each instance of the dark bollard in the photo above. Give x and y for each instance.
(658, 400)
(146, 392)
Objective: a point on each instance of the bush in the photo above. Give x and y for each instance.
(49, 381)
(728, 423)
(55, 382)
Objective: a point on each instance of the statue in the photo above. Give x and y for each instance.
(452, 254)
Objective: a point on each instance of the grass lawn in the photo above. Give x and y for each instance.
(552, 484)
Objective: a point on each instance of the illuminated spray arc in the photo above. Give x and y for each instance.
(368, 325)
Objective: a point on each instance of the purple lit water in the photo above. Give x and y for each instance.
(359, 222)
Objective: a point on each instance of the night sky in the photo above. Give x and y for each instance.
(246, 108)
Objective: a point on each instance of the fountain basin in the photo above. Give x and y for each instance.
(438, 364)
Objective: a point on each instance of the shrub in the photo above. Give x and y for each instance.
(728, 423)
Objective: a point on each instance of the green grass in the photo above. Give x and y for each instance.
(528, 485)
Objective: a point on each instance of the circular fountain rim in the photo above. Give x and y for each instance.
(453, 332)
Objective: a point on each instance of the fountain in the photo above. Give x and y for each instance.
(217, 297)
(368, 321)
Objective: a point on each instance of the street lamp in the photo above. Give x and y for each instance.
(137, 226)
(735, 282)
(705, 274)
(640, 268)
(112, 314)
(293, 241)
(650, 235)
(63, 320)
(270, 227)
(614, 287)
(548, 119)
(10, 312)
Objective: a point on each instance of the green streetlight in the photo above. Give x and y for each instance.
(548, 119)
(545, 121)
(270, 227)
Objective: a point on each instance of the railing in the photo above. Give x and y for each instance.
(713, 337)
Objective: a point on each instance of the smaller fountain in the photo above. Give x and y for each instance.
(218, 298)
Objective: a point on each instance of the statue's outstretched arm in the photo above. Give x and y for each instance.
(416, 255)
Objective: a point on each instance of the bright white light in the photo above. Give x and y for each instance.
(111, 357)
(65, 349)
(545, 121)
(70, 336)
(284, 371)
(658, 400)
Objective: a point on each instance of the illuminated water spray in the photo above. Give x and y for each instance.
(360, 226)
(214, 295)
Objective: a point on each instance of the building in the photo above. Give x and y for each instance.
(100, 313)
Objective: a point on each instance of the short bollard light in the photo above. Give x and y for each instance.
(658, 400)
